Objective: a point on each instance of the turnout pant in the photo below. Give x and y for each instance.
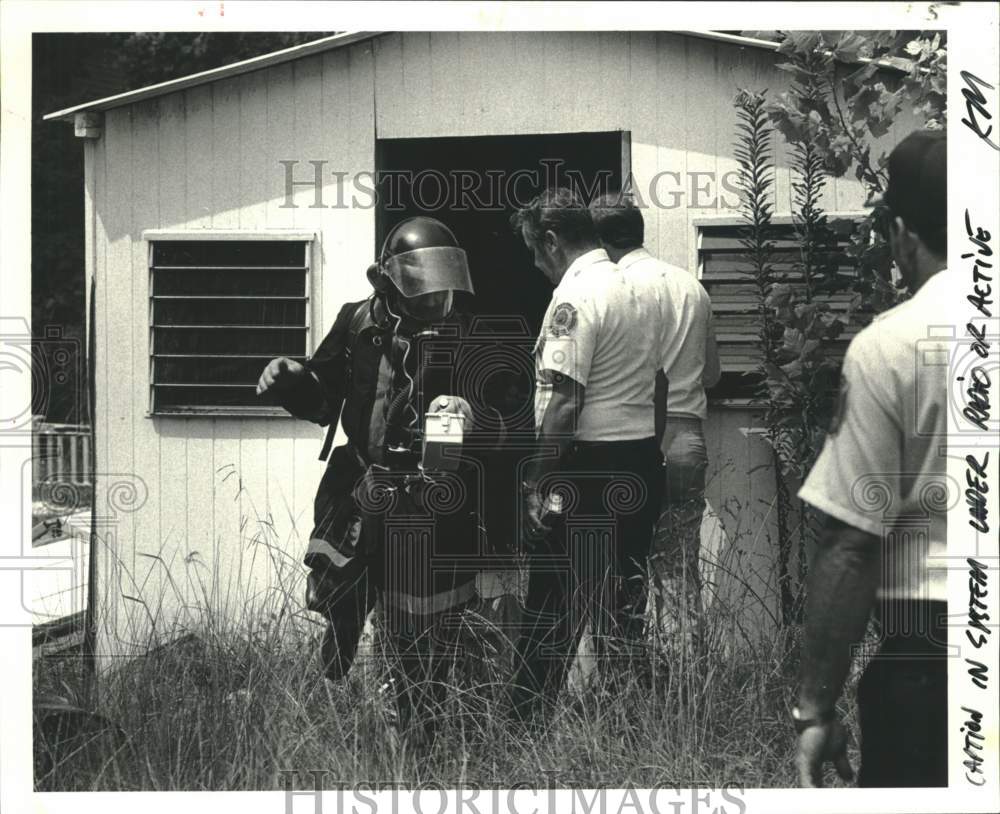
(592, 566)
(419, 652)
(406, 543)
(903, 698)
(416, 650)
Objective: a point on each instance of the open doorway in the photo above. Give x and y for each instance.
(473, 184)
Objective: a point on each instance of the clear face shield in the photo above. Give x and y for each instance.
(426, 279)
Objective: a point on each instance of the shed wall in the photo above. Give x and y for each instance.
(214, 512)
(222, 506)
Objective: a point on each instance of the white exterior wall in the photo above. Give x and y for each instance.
(210, 488)
(207, 158)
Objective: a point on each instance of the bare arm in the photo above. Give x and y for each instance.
(558, 426)
(557, 430)
(843, 580)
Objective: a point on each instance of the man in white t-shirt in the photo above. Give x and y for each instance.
(592, 485)
(881, 480)
(691, 364)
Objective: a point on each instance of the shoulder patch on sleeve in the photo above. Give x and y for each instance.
(563, 321)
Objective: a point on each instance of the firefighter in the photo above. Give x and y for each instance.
(389, 525)
(599, 390)
(882, 481)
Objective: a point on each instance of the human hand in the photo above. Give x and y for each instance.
(819, 744)
(280, 374)
(533, 526)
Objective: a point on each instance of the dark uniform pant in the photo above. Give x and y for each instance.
(416, 649)
(389, 540)
(903, 699)
(591, 567)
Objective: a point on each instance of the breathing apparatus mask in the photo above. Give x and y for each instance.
(419, 268)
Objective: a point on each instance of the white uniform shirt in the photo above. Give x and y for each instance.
(688, 308)
(883, 466)
(602, 329)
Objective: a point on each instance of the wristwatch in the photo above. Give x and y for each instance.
(802, 724)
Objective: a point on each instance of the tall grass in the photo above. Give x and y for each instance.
(233, 700)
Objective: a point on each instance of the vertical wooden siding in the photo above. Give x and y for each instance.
(739, 549)
(674, 93)
(226, 499)
(208, 158)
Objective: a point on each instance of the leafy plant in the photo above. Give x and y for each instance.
(848, 88)
(804, 374)
(830, 117)
(754, 154)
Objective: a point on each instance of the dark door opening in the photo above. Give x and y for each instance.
(474, 184)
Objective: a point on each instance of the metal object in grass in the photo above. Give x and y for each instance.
(66, 734)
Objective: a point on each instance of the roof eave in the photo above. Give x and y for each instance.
(318, 46)
(222, 72)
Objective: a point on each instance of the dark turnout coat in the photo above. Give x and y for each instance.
(379, 524)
